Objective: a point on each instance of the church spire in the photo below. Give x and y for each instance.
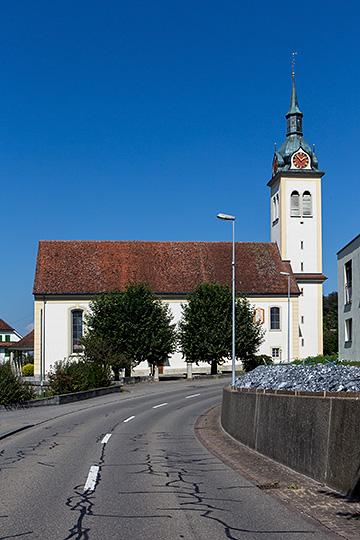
(294, 115)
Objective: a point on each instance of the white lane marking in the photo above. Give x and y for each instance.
(161, 405)
(106, 438)
(128, 419)
(91, 479)
(192, 395)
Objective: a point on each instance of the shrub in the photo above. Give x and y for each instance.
(320, 359)
(255, 361)
(12, 388)
(76, 376)
(28, 370)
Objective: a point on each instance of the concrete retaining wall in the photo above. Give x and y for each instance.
(315, 434)
(68, 398)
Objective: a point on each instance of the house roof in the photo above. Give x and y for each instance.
(92, 267)
(26, 343)
(5, 326)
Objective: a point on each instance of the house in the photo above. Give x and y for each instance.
(282, 279)
(8, 336)
(349, 300)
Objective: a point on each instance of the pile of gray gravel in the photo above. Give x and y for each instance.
(316, 378)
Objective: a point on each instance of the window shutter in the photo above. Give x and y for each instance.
(295, 204)
(307, 204)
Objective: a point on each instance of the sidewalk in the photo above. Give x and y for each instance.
(337, 515)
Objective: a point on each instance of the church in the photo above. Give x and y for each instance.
(282, 279)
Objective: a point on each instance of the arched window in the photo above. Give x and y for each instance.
(295, 204)
(274, 318)
(306, 200)
(76, 330)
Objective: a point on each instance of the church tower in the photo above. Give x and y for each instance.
(296, 225)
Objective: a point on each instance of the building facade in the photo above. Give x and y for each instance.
(349, 300)
(70, 274)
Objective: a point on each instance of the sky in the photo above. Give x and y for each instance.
(142, 120)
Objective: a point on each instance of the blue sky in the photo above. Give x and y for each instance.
(141, 120)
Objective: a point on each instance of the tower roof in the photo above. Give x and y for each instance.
(294, 105)
(294, 141)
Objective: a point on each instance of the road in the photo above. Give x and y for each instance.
(129, 466)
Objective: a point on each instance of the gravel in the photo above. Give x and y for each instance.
(316, 378)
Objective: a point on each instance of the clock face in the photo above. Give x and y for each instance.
(275, 165)
(301, 160)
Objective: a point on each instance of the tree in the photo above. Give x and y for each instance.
(205, 329)
(330, 323)
(134, 324)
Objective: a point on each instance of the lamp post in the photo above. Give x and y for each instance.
(288, 340)
(227, 217)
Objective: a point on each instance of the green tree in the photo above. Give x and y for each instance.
(135, 324)
(205, 329)
(330, 323)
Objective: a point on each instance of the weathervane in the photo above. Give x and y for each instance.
(293, 63)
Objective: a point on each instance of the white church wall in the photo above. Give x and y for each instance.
(56, 325)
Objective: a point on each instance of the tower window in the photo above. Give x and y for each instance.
(274, 318)
(306, 200)
(301, 244)
(301, 267)
(295, 204)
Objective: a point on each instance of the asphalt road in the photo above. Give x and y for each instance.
(129, 466)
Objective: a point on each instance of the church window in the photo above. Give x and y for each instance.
(306, 203)
(274, 318)
(301, 267)
(301, 244)
(295, 204)
(77, 330)
(302, 319)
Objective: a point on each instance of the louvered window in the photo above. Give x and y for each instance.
(295, 204)
(307, 210)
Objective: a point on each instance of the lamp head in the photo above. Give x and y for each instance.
(226, 217)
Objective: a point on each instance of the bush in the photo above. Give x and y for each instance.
(12, 388)
(28, 370)
(255, 361)
(320, 359)
(77, 376)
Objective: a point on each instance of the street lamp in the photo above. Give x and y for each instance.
(288, 340)
(226, 217)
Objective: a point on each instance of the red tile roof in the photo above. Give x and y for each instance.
(4, 326)
(91, 267)
(27, 341)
